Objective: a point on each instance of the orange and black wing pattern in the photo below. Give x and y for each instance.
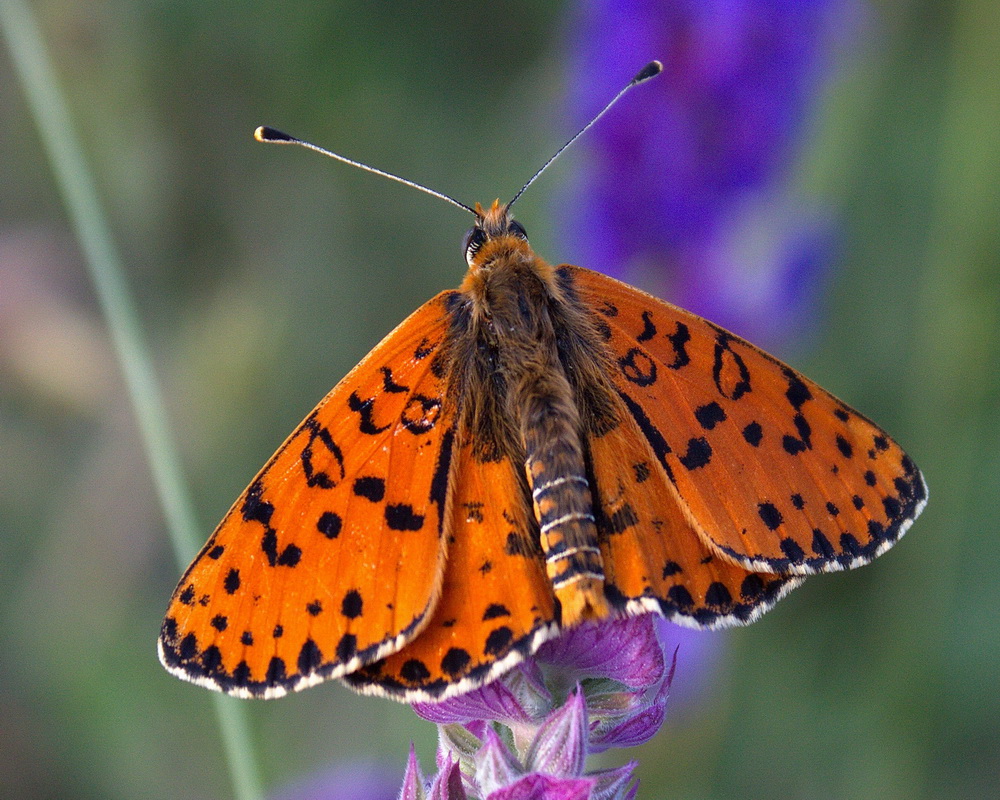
(774, 473)
(654, 557)
(325, 564)
(496, 605)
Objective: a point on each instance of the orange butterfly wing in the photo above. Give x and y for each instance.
(777, 474)
(496, 605)
(325, 563)
(654, 557)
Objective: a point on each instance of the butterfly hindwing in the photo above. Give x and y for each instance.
(496, 604)
(779, 475)
(328, 560)
(654, 560)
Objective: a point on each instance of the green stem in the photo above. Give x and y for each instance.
(47, 104)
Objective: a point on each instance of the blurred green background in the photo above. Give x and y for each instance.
(263, 275)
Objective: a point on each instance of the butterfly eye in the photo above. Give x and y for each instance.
(517, 229)
(474, 239)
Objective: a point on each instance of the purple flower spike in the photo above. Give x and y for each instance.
(635, 730)
(625, 650)
(496, 766)
(610, 784)
(545, 787)
(630, 718)
(448, 783)
(413, 779)
(512, 741)
(520, 697)
(560, 746)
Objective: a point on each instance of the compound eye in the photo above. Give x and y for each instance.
(517, 229)
(474, 239)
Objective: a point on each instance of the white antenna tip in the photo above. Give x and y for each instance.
(266, 134)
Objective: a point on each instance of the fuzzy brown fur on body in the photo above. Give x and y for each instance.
(529, 365)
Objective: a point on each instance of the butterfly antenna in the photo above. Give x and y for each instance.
(651, 70)
(266, 134)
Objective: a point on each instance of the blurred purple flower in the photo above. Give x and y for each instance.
(528, 734)
(686, 188)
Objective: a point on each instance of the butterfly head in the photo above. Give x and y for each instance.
(494, 232)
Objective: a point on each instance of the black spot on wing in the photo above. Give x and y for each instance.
(421, 414)
(797, 392)
(332, 472)
(699, 453)
(498, 642)
(329, 524)
(638, 367)
(718, 595)
(310, 657)
(495, 610)
(678, 341)
(347, 647)
(648, 330)
(671, 568)
(414, 671)
(351, 606)
(709, 415)
(439, 483)
(424, 349)
(793, 445)
(402, 517)
(729, 371)
(365, 410)
(844, 446)
(254, 508)
(290, 556)
(389, 384)
(821, 546)
(792, 550)
(769, 515)
(276, 672)
(455, 661)
(618, 521)
(370, 487)
(753, 434)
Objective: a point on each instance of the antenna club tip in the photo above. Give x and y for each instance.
(266, 134)
(651, 70)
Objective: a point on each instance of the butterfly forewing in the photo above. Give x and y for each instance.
(778, 474)
(654, 560)
(496, 604)
(329, 560)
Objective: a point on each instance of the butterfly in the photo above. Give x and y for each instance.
(541, 447)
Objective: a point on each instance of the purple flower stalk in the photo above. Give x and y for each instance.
(527, 736)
